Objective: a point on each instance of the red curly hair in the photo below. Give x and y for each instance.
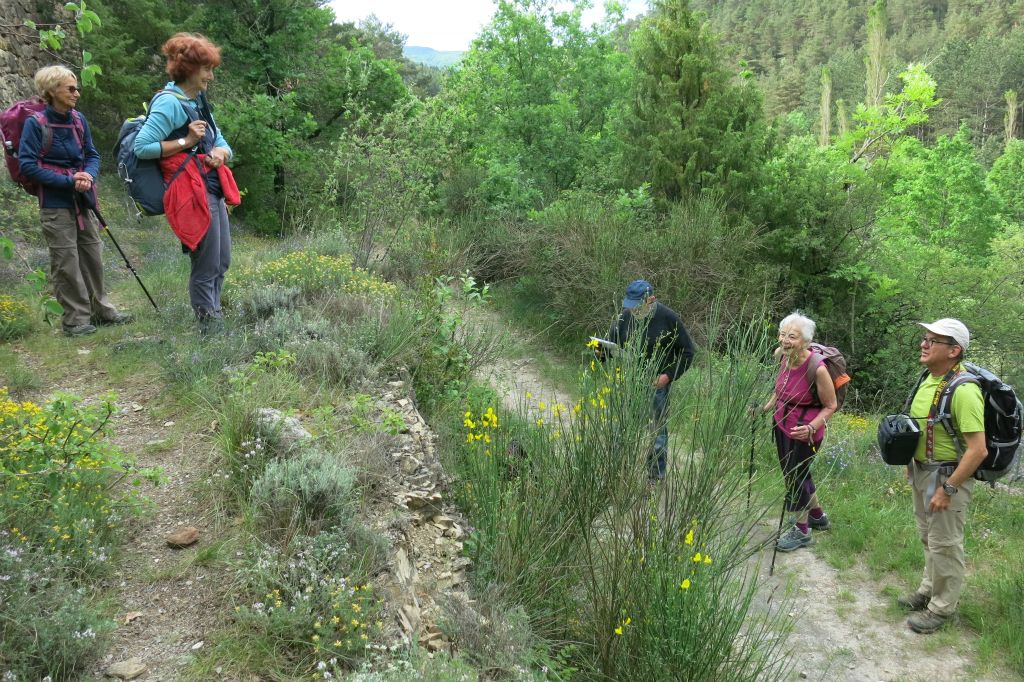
(187, 52)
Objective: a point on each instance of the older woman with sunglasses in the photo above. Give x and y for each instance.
(57, 154)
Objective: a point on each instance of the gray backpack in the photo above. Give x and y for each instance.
(142, 177)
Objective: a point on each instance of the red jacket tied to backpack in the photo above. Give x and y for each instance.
(185, 199)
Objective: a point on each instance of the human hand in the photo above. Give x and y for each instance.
(196, 131)
(661, 381)
(216, 158)
(83, 181)
(939, 502)
(802, 432)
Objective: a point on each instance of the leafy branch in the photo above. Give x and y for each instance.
(45, 303)
(53, 35)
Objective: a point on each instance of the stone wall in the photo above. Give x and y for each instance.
(20, 55)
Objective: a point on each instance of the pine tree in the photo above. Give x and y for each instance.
(692, 127)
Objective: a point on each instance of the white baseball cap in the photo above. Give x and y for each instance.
(955, 329)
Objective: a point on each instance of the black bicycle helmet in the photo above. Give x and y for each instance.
(898, 435)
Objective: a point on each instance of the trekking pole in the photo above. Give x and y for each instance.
(750, 468)
(778, 534)
(106, 228)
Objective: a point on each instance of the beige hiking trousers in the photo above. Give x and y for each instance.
(76, 266)
(942, 534)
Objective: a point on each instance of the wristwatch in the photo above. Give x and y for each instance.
(181, 142)
(950, 489)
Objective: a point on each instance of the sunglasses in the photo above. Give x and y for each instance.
(73, 89)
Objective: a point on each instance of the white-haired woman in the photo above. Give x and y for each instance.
(800, 420)
(56, 152)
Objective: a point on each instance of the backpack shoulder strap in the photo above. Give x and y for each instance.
(46, 133)
(913, 392)
(78, 125)
(944, 413)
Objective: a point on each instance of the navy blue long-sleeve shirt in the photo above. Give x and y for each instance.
(65, 154)
(665, 337)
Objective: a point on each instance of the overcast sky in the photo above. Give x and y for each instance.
(442, 24)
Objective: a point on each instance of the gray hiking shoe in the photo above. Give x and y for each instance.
(79, 330)
(926, 622)
(819, 524)
(793, 539)
(118, 318)
(915, 601)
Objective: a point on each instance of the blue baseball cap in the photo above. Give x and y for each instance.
(637, 292)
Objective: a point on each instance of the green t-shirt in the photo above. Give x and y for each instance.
(968, 417)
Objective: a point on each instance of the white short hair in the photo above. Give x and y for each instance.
(49, 78)
(800, 321)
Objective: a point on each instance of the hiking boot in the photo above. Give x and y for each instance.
(209, 325)
(79, 330)
(915, 601)
(793, 539)
(819, 524)
(118, 318)
(926, 622)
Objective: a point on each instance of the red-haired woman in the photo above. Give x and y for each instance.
(180, 131)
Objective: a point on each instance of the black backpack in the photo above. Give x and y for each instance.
(1004, 418)
(142, 177)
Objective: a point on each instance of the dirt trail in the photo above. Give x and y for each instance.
(165, 601)
(842, 628)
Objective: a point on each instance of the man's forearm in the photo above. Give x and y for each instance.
(969, 463)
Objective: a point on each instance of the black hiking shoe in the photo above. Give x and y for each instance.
(926, 622)
(915, 601)
(78, 330)
(819, 524)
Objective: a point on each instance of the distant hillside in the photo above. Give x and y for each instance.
(973, 48)
(432, 57)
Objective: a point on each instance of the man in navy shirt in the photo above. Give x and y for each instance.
(665, 339)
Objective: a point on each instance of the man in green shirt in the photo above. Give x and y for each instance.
(941, 481)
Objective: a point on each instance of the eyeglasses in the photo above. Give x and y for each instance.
(73, 89)
(930, 341)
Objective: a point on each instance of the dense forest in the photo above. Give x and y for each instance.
(858, 160)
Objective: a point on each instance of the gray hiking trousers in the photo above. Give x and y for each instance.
(210, 262)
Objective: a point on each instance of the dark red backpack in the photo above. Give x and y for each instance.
(835, 363)
(12, 121)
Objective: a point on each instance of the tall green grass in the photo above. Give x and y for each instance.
(647, 584)
(873, 529)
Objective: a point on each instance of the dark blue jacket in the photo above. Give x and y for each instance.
(664, 338)
(65, 156)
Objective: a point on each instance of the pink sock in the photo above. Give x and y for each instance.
(817, 513)
(804, 528)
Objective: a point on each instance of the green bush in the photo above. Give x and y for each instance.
(49, 628)
(259, 303)
(311, 273)
(15, 318)
(248, 439)
(58, 476)
(303, 494)
(309, 606)
(331, 362)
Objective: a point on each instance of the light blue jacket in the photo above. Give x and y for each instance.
(165, 116)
